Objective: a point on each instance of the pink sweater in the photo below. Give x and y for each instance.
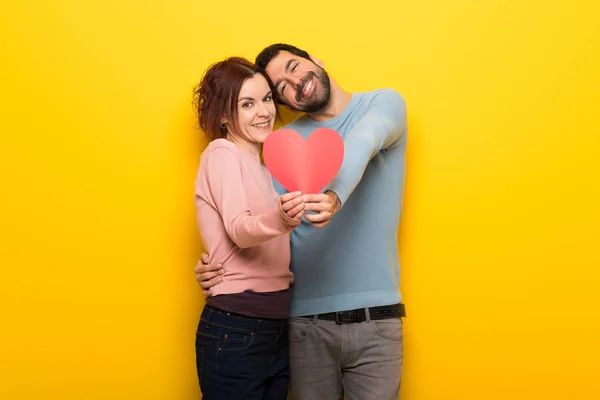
(241, 221)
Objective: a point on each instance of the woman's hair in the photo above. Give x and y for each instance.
(217, 93)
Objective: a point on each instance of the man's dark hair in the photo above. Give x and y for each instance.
(265, 56)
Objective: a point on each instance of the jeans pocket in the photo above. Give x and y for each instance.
(232, 339)
(389, 329)
(298, 330)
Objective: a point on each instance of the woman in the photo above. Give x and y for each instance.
(242, 339)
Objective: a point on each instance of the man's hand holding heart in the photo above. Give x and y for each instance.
(325, 205)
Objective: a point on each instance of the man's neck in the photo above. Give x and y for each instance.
(338, 102)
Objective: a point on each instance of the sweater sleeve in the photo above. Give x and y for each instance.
(223, 183)
(383, 126)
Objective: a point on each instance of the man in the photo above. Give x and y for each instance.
(345, 326)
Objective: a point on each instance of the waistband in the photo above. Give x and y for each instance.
(218, 317)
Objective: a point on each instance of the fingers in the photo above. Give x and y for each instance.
(298, 217)
(318, 207)
(289, 205)
(208, 275)
(206, 278)
(293, 213)
(315, 198)
(201, 267)
(320, 217)
(295, 205)
(317, 202)
(207, 284)
(318, 221)
(321, 225)
(289, 196)
(323, 204)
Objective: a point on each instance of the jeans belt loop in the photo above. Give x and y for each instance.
(337, 318)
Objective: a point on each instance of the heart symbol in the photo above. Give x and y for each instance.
(307, 166)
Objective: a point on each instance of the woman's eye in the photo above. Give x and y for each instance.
(246, 105)
(268, 98)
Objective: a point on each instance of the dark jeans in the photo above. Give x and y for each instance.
(240, 357)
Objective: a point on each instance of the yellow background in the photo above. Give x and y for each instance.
(99, 151)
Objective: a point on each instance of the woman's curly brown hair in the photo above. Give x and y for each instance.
(215, 97)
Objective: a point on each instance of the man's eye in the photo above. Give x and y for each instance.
(283, 87)
(294, 67)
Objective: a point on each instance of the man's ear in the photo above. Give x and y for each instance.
(317, 61)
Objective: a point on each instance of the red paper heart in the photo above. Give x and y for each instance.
(307, 166)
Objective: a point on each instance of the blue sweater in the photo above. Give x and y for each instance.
(353, 262)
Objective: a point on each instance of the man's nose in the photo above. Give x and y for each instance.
(296, 80)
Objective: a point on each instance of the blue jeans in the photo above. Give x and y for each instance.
(239, 357)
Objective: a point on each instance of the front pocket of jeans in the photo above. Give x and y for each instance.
(389, 329)
(234, 337)
(231, 340)
(298, 330)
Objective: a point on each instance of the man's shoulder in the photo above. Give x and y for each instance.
(386, 94)
(384, 101)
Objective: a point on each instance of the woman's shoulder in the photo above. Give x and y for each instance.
(220, 151)
(220, 147)
(221, 143)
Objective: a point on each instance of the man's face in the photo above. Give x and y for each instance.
(299, 83)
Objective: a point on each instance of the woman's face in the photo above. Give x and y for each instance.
(256, 111)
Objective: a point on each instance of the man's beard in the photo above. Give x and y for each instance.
(321, 93)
